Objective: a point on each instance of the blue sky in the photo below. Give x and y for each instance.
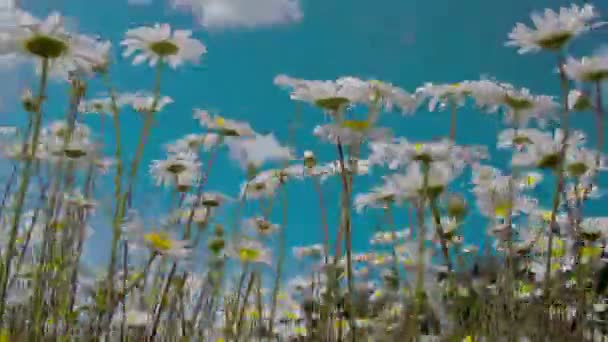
(406, 42)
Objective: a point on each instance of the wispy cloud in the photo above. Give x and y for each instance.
(224, 14)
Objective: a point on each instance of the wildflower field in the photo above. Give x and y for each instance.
(463, 247)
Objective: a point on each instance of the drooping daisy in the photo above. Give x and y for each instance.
(255, 151)
(552, 30)
(180, 168)
(159, 43)
(222, 126)
(588, 69)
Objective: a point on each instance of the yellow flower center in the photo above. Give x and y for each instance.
(502, 209)
(220, 121)
(356, 125)
(159, 241)
(249, 254)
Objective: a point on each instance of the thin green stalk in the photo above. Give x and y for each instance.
(347, 229)
(560, 176)
(24, 183)
(122, 200)
(599, 112)
(277, 279)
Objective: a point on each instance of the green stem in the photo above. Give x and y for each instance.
(122, 200)
(560, 175)
(24, 183)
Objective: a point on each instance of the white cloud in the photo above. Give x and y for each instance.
(222, 14)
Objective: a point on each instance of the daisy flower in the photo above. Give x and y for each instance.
(391, 96)
(391, 153)
(328, 95)
(182, 169)
(47, 39)
(443, 94)
(410, 186)
(261, 226)
(544, 150)
(552, 31)
(159, 43)
(222, 126)
(193, 142)
(588, 69)
(522, 107)
(378, 197)
(256, 189)
(163, 244)
(143, 102)
(578, 101)
(250, 251)
(583, 162)
(351, 132)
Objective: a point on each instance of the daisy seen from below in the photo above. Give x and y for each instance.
(48, 40)
(552, 31)
(588, 69)
(182, 169)
(163, 244)
(223, 126)
(160, 44)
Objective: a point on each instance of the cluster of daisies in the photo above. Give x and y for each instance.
(196, 272)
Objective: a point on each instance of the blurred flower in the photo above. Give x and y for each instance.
(578, 101)
(444, 94)
(351, 132)
(250, 251)
(222, 126)
(143, 102)
(261, 226)
(552, 30)
(181, 168)
(162, 243)
(158, 43)
(47, 39)
(588, 69)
